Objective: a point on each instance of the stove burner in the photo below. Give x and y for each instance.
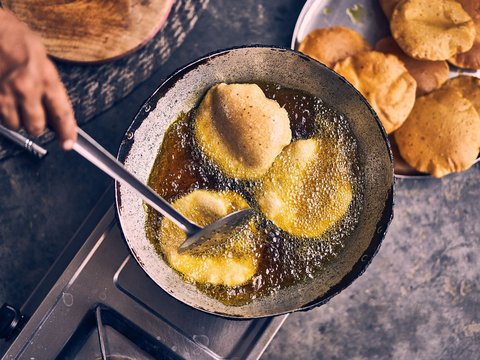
(10, 320)
(105, 334)
(102, 305)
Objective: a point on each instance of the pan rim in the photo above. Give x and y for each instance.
(358, 268)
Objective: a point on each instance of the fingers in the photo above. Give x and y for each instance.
(8, 111)
(34, 93)
(33, 115)
(59, 109)
(28, 94)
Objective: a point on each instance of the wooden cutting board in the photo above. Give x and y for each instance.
(92, 30)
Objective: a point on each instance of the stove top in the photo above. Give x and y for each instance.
(97, 303)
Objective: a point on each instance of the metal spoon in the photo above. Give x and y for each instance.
(198, 238)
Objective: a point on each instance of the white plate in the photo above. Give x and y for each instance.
(370, 23)
(365, 17)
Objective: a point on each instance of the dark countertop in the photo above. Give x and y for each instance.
(420, 297)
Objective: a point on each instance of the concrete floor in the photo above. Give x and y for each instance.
(420, 298)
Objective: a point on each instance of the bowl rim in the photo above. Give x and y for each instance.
(358, 268)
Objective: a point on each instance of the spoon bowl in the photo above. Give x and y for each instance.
(216, 233)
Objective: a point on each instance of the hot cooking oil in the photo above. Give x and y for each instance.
(283, 259)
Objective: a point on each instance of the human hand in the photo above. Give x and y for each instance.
(31, 92)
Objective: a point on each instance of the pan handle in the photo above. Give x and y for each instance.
(102, 159)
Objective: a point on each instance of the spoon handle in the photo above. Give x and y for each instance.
(23, 141)
(102, 159)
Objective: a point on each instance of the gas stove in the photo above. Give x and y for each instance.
(97, 303)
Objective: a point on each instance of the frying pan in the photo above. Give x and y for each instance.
(181, 92)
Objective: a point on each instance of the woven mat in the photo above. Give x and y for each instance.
(95, 88)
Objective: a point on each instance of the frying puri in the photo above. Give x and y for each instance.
(234, 264)
(240, 130)
(307, 189)
(265, 258)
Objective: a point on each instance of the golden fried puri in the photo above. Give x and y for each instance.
(442, 133)
(388, 6)
(471, 58)
(432, 29)
(429, 75)
(330, 45)
(234, 265)
(469, 87)
(385, 82)
(307, 190)
(241, 130)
